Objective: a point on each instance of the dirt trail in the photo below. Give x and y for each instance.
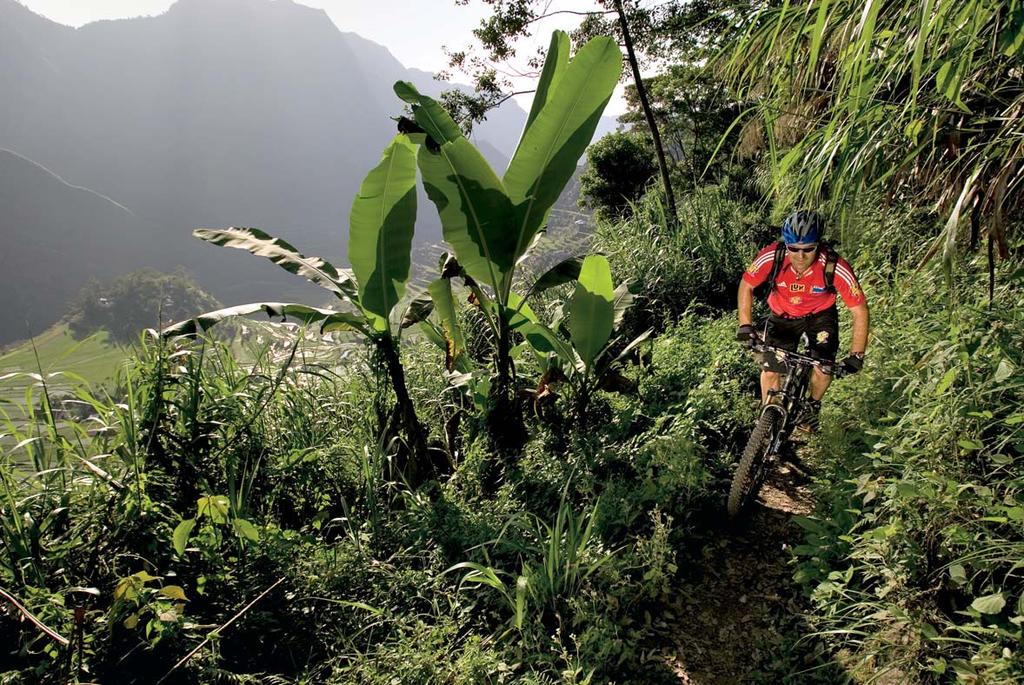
(739, 621)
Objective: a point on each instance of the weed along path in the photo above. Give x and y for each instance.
(738, 618)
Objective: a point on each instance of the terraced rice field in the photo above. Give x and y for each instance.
(63, 362)
(66, 365)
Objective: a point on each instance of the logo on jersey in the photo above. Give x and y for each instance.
(752, 270)
(818, 290)
(796, 300)
(822, 337)
(796, 287)
(855, 291)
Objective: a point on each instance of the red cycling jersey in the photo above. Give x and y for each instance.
(795, 295)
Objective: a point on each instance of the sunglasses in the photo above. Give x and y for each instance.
(801, 249)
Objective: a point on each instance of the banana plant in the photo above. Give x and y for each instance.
(491, 222)
(381, 226)
(583, 350)
(465, 376)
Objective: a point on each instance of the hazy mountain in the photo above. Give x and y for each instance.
(46, 222)
(218, 112)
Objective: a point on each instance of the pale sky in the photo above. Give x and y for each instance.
(413, 30)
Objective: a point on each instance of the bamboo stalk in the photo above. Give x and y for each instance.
(217, 631)
(50, 632)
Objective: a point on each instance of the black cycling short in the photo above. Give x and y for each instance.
(822, 329)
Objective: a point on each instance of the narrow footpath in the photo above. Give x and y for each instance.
(739, 619)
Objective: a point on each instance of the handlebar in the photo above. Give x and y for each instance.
(830, 367)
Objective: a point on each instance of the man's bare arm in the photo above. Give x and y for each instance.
(861, 320)
(745, 303)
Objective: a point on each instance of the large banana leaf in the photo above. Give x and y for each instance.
(315, 269)
(552, 146)
(623, 301)
(565, 271)
(328, 318)
(544, 340)
(555, 63)
(381, 228)
(429, 114)
(473, 207)
(469, 196)
(418, 310)
(593, 310)
(519, 311)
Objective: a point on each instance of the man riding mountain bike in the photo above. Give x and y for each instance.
(802, 277)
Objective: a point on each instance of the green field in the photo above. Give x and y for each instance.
(92, 358)
(64, 363)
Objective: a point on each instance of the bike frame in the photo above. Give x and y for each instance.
(788, 399)
(772, 429)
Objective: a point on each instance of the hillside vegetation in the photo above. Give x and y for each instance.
(519, 475)
(64, 362)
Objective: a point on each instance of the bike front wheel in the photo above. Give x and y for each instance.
(753, 466)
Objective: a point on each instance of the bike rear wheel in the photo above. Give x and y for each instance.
(753, 466)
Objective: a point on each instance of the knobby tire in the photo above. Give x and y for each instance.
(753, 464)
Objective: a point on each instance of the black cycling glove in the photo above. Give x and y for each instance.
(746, 334)
(853, 364)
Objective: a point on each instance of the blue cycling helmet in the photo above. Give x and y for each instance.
(802, 227)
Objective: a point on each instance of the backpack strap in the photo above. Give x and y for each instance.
(831, 259)
(780, 256)
(762, 291)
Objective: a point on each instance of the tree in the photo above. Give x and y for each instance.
(381, 226)
(136, 301)
(693, 111)
(514, 19)
(672, 35)
(492, 222)
(652, 125)
(619, 167)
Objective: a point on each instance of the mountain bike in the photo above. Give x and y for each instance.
(775, 424)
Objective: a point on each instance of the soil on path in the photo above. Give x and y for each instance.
(739, 620)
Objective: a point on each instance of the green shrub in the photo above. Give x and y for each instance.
(695, 267)
(619, 168)
(136, 301)
(700, 377)
(920, 526)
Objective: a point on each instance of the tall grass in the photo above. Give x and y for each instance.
(86, 502)
(914, 555)
(694, 266)
(920, 100)
(553, 569)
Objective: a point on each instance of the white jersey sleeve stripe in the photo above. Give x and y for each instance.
(846, 275)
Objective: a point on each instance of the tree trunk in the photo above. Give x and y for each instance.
(505, 420)
(414, 461)
(641, 91)
(504, 348)
(506, 429)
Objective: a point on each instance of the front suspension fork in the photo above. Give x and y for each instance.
(776, 402)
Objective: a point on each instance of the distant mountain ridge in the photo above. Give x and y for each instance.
(218, 112)
(33, 200)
